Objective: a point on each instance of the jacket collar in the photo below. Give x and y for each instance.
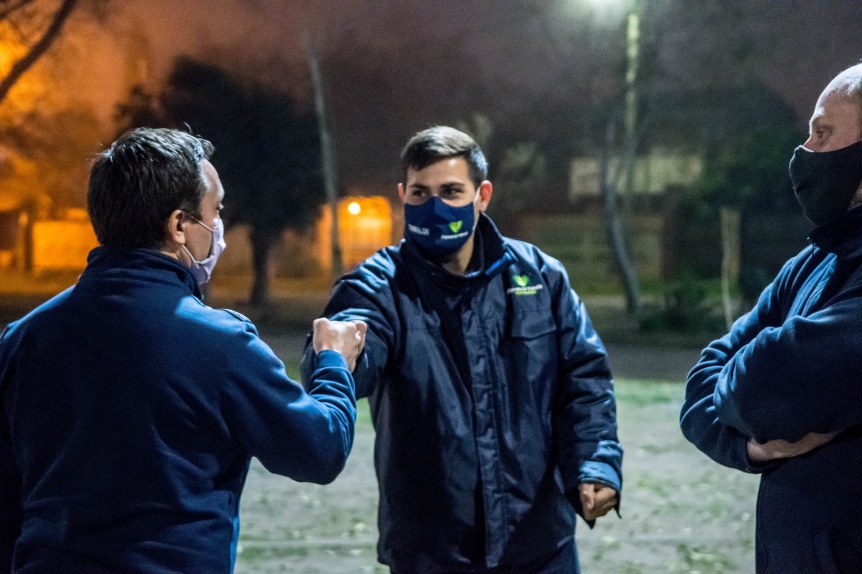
(490, 249)
(842, 235)
(149, 264)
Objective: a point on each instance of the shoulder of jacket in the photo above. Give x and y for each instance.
(808, 252)
(803, 263)
(43, 313)
(234, 314)
(530, 255)
(376, 271)
(220, 318)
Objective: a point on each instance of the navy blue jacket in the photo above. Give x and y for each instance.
(129, 411)
(492, 400)
(793, 365)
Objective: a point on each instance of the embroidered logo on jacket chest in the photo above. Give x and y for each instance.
(523, 286)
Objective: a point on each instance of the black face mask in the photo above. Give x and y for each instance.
(825, 182)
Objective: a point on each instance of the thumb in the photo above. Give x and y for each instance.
(588, 496)
(361, 326)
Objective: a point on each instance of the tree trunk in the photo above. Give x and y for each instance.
(36, 50)
(261, 248)
(730, 260)
(28, 214)
(329, 173)
(616, 235)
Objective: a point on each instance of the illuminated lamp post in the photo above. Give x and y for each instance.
(632, 56)
(630, 118)
(616, 232)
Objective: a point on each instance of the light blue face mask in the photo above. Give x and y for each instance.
(437, 227)
(202, 270)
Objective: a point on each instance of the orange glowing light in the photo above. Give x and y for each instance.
(354, 208)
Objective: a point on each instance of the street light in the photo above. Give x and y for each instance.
(615, 226)
(632, 52)
(632, 56)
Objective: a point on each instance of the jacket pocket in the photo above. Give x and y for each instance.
(531, 325)
(529, 356)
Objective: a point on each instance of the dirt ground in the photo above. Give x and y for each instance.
(680, 511)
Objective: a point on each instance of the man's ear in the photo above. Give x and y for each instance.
(175, 228)
(401, 191)
(486, 190)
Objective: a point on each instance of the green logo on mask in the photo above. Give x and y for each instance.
(455, 226)
(521, 280)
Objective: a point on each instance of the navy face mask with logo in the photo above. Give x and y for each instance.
(825, 182)
(437, 227)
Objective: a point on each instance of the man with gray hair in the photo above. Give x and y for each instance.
(780, 394)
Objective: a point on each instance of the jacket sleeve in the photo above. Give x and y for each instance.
(10, 504)
(306, 436)
(585, 409)
(797, 377)
(723, 438)
(10, 483)
(359, 300)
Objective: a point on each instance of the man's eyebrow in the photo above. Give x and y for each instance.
(417, 186)
(819, 122)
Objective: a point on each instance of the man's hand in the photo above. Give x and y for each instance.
(345, 337)
(776, 449)
(596, 499)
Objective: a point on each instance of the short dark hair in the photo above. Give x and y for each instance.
(439, 143)
(140, 180)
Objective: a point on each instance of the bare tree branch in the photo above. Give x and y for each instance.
(5, 10)
(37, 49)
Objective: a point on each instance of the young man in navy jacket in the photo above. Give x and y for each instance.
(490, 390)
(129, 410)
(780, 394)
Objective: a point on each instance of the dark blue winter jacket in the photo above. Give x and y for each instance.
(793, 365)
(129, 411)
(492, 400)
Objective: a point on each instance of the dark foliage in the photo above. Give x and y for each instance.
(267, 150)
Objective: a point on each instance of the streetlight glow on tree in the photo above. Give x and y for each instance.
(632, 50)
(616, 234)
(632, 56)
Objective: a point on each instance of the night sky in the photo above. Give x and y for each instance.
(442, 61)
(809, 40)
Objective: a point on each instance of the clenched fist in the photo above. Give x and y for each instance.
(596, 499)
(345, 337)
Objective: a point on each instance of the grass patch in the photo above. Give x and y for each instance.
(641, 393)
(698, 559)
